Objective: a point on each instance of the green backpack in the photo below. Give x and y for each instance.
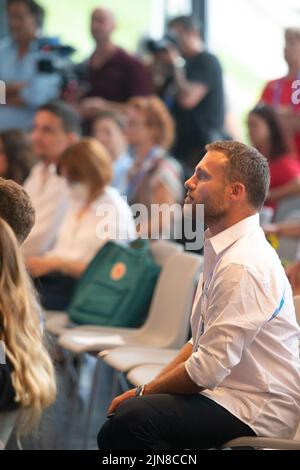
(117, 287)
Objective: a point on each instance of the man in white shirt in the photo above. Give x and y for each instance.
(240, 373)
(56, 127)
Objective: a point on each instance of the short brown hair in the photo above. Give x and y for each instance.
(16, 208)
(157, 115)
(88, 161)
(248, 166)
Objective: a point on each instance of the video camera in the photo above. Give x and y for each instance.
(162, 45)
(56, 58)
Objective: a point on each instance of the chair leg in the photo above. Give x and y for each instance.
(91, 404)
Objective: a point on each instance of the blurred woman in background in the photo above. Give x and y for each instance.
(270, 137)
(16, 156)
(155, 178)
(87, 168)
(108, 128)
(27, 380)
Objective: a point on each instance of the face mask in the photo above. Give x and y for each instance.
(79, 192)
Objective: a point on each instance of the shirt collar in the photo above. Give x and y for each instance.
(223, 240)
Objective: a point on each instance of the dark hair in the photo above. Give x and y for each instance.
(280, 143)
(35, 9)
(187, 23)
(69, 117)
(16, 208)
(117, 118)
(247, 165)
(19, 154)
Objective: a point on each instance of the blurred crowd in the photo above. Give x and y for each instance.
(115, 126)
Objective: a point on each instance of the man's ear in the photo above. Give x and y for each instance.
(237, 190)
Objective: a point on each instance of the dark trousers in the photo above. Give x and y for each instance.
(55, 291)
(166, 422)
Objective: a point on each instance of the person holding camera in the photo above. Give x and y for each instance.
(199, 106)
(27, 88)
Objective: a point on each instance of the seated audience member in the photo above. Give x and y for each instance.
(56, 127)
(268, 135)
(16, 209)
(108, 129)
(279, 93)
(288, 229)
(113, 75)
(16, 156)
(27, 380)
(87, 167)
(155, 178)
(26, 87)
(239, 375)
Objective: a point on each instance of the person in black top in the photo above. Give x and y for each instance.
(199, 108)
(17, 210)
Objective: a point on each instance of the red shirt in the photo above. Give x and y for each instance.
(279, 93)
(119, 79)
(283, 170)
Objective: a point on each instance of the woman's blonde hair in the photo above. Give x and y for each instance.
(33, 375)
(87, 161)
(157, 115)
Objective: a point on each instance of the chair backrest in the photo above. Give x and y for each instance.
(168, 321)
(162, 250)
(297, 307)
(7, 424)
(288, 248)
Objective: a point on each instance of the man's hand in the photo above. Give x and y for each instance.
(119, 400)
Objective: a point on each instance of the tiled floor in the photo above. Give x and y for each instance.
(61, 431)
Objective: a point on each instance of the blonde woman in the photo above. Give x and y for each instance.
(27, 380)
(155, 178)
(87, 168)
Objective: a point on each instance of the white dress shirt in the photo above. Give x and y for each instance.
(80, 238)
(50, 197)
(245, 334)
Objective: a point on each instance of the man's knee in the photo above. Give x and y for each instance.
(119, 429)
(105, 436)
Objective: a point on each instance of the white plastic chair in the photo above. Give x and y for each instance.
(127, 358)
(58, 323)
(144, 374)
(167, 324)
(7, 423)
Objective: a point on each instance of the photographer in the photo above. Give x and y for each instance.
(26, 87)
(199, 104)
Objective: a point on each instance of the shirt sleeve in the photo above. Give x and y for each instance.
(238, 308)
(206, 70)
(42, 89)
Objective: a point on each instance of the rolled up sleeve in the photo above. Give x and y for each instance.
(238, 306)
